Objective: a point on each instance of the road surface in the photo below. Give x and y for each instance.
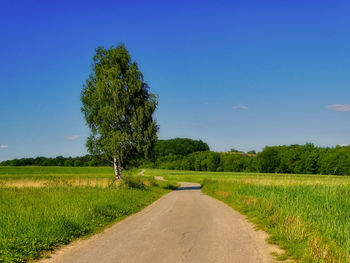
(182, 226)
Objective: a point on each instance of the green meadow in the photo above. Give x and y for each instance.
(53, 172)
(35, 218)
(45, 207)
(40, 176)
(306, 215)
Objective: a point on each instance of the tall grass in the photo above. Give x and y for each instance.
(53, 172)
(310, 222)
(37, 219)
(308, 216)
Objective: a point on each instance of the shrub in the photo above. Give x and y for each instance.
(133, 181)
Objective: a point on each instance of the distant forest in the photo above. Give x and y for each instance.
(295, 159)
(187, 154)
(177, 146)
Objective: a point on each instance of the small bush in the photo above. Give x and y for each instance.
(132, 181)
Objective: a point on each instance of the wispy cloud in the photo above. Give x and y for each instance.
(339, 107)
(240, 107)
(73, 137)
(3, 146)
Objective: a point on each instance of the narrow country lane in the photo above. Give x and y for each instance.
(183, 226)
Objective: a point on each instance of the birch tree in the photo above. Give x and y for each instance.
(118, 107)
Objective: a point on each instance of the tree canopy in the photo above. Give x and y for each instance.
(179, 146)
(118, 108)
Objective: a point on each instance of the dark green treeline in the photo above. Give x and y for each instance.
(295, 159)
(187, 154)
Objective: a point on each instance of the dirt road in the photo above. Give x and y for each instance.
(183, 226)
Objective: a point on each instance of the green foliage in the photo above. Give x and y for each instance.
(118, 108)
(134, 181)
(251, 152)
(233, 150)
(294, 159)
(206, 161)
(87, 160)
(178, 146)
(306, 159)
(268, 160)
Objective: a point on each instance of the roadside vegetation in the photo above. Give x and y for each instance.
(38, 219)
(306, 215)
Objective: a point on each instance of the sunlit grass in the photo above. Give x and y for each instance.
(46, 176)
(38, 214)
(253, 178)
(53, 172)
(307, 215)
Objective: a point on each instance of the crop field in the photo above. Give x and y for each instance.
(44, 207)
(41, 176)
(14, 172)
(307, 215)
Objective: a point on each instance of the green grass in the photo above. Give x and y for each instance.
(259, 178)
(53, 172)
(307, 215)
(37, 219)
(36, 176)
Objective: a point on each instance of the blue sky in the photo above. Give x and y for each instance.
(241, 74)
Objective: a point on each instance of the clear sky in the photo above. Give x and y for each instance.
(236, 74)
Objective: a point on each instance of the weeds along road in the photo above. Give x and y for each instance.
(183, 226)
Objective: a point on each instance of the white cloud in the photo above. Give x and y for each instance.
(72, 138)
(241, 107)
(339, 107)
(344, 144)
(3, 146)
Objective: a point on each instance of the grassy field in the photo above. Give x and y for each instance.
(307, 215)
(32, 176)
(36, 218)
(54, 172)
(43, 207)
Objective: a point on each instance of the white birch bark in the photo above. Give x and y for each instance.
(117, 168)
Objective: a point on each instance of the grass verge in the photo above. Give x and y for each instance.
(33, 220)
(308, 219)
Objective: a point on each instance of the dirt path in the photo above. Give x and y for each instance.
(142, 172)
(183, 226)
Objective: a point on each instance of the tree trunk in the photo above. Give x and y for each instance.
(117, 168)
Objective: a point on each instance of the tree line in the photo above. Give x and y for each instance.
(177, 146)
(195, 155)
(294, 159)
(87, 160)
